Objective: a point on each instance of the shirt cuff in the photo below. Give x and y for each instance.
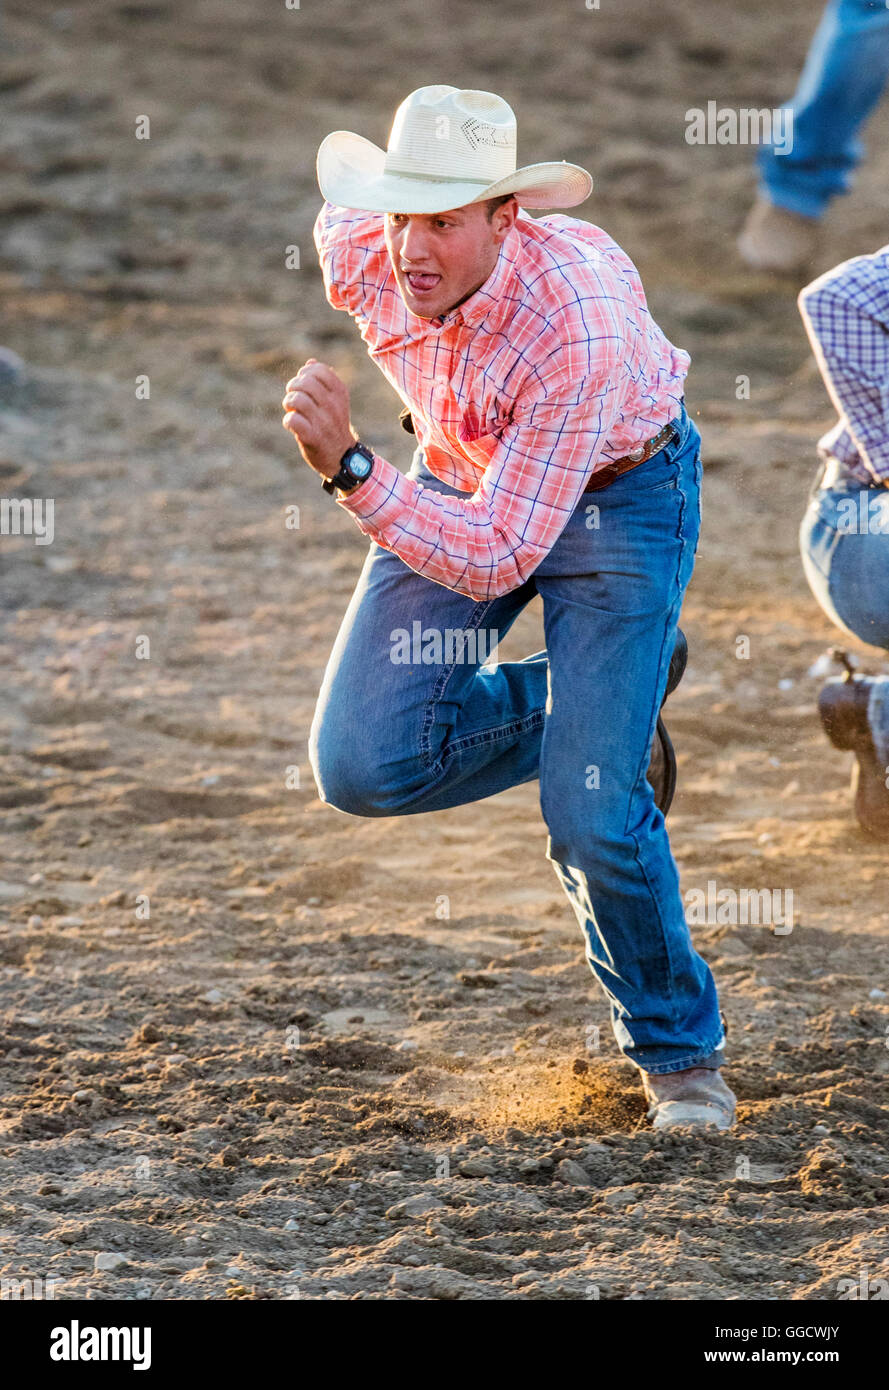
(380, 499)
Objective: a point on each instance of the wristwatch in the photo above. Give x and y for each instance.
(355, 465)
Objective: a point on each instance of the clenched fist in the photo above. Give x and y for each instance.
(316, 406)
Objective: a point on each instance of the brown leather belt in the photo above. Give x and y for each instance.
(603, 476)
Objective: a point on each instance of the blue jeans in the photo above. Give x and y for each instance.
(394, 736)
(842, 80)
(844, 541)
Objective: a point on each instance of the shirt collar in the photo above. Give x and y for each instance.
(479, 304)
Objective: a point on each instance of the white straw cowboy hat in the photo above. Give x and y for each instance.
(447, 148)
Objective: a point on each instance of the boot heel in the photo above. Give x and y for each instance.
(842, 708)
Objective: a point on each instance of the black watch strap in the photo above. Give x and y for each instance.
(345, 479)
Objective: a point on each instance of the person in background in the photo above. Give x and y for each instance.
(844, 536)
(844, 76)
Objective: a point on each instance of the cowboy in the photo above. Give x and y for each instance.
(554, 457)
(844, 536)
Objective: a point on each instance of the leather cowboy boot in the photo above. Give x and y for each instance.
(843, 707)
(662, 765)
(697, 1096)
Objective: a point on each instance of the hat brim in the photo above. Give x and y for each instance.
(352, 174)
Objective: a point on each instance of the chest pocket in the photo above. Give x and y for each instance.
(477, 425)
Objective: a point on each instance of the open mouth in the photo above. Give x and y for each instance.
(421, 284)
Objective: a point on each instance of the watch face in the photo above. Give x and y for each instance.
(358, 465)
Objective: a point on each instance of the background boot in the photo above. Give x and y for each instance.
(843, 707)
(776, 239)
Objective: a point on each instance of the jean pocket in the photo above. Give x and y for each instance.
(819, 538)
(658, 474)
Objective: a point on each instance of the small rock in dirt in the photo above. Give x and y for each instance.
(148, 1033)
(35, 921)
(444, 1284)
(291, 1225)
(70, 922)
(571, 1173)
(877, 994)
(525, 1201)
(414, 1206)
(621, 1197)
(213, 996)
(529, 1165)
(406, 1045)
(108, 1260)
(476, 1168)
(84, 1097)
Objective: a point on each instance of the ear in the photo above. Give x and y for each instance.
(504, 220)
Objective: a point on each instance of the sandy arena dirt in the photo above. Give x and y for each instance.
(297, 1077)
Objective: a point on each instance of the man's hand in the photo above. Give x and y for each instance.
(316, 406)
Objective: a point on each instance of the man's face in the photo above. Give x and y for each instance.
(442, 258)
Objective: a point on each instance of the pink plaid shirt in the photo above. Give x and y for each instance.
(554, 367)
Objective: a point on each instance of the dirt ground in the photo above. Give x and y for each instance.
(252, 1048)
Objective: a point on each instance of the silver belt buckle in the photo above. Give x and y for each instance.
(652, 446)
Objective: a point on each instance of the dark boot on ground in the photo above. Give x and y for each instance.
(843, 707)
